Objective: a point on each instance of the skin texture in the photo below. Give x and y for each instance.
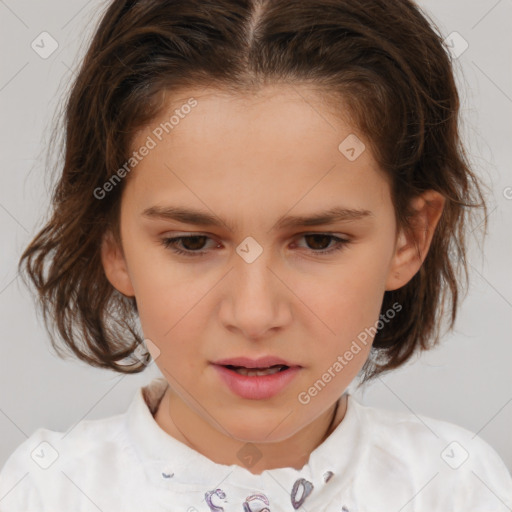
(252, 160)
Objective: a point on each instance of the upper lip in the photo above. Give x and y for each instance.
(261, 362)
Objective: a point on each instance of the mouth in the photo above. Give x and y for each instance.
(258, 379)
(257, 372)
(269, 364)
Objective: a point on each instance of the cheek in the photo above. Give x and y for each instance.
(162, 290)
(170, 317)
(347, 300)
(176, 335)
(172, 312)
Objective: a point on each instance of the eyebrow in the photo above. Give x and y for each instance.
(203, 218)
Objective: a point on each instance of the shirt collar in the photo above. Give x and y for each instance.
(169, 463)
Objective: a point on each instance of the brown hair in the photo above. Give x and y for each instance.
(384, 59)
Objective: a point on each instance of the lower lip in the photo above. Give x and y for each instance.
(257, 387)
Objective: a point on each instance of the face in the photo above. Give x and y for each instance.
(260, 280)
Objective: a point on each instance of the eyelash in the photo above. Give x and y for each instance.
(170, 243)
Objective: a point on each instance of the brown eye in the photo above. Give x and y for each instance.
(318, 243)
(192, 245)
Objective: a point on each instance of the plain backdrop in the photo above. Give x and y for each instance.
(467, 380)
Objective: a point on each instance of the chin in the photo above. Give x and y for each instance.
(262, 428)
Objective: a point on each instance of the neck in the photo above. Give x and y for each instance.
(192, 430)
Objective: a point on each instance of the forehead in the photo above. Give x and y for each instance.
(282, 144)
(289, 108)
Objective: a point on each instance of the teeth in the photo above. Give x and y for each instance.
(258, 372)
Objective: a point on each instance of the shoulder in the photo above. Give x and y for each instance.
(440, 457)
(43, 468)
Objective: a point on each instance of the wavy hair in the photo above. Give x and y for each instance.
(383, 59)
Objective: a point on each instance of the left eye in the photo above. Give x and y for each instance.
(325, 239)
(193, 245)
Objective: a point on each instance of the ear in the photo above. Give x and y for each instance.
(411, 249)
(114, 264)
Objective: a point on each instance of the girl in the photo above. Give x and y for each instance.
(275, 190)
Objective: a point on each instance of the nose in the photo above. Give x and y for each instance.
(255, 300)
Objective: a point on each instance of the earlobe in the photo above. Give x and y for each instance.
(114, 265)
(412, 248)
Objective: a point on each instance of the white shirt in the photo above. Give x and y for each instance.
(374, 461)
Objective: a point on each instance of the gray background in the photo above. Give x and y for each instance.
(466, 381)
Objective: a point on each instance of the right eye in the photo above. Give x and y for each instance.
(192, 245)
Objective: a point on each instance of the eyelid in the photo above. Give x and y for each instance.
(175, 234)
(170, 243)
